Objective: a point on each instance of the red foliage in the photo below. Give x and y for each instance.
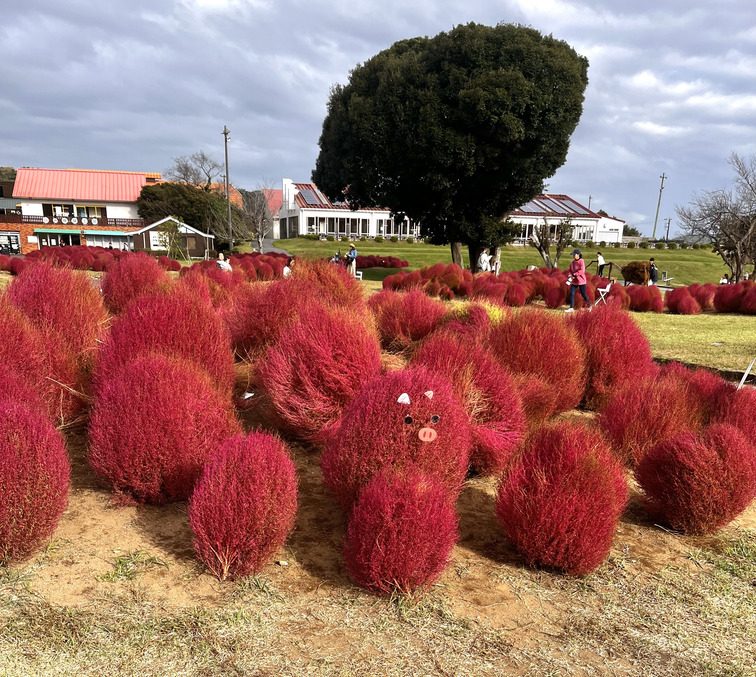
(699, 482)
(488, 393)
(378, 433)
(728, 297)
(401, 533)
(737, 408)
(333, 285)
(560, 502)
(404, 317)
(644, 299)
(681, 302)
(617, 352)
(167, 263)
(18, 264)
(470, 320)
(704, 294)
(706, 388)
(375, 261)
(130, 277)
(49, 369)
(34, 479)
(62, 303)
(748, 301)
(173, 324)
(5, 263)
(646, 412)
(316, 367)
(153, 426)
(244, 505)
(541, 344)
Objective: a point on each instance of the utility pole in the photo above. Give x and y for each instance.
(226, 132)
(658, 203)
(590, 197)
(667, 221)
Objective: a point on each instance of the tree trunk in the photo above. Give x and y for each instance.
(474, 248)
(456, 253)
(496, 266)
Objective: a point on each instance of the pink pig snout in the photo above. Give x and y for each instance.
(427, 434)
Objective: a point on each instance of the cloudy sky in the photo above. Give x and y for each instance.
(131, 85)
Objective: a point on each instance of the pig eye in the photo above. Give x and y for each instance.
(408, 420)
(435, 418)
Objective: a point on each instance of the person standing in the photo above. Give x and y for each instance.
(484, 261)
(653, 272)
(351, 258)
(222, 263)
(577, 280)
(601, 263)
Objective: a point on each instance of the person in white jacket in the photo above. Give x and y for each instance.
(484, 261)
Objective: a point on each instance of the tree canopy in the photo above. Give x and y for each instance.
(727, 218)
(454, 131)
(201, 209)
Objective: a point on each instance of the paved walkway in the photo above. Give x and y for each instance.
(268, 247)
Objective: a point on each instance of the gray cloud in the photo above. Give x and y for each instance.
(131, 85)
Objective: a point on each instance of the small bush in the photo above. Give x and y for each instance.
(317, 366)
(635, 272)
(244, 505)
(736, 408)
(394, 239)
(697, 482)
(643, 245)
(538, 344)
(153, 426)
(617, 245)
(34, 480)
(728, 297)
(672, 245)
(560, 502)
(173, 324)
(404, 317)
(631, 245)
(681, 302)
(410, 240)
(488, 393)
(379, 239)
(330, 238)
(644, 299)
(130, 277)
(647, 412)
(61, 302)
(400, 534)
(377, 432)
(617, 352)
(696, 245)
(344, 238)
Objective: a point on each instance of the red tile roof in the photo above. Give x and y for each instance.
(274, 198)
(86, 185)
(236, 197)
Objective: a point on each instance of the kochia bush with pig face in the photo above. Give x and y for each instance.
(401, 419)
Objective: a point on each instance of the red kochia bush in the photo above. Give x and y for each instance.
(48, 368)
(174, 324)
(61, 301)
(738, 408)
(244, 505)
(488, 393)
(681, 302)
(534, 343)
(648, 411)
(617, 352)
(404, 317)
(697, 482)
(130, 277)
(155, 422)
(470, 320)
(644, 299)
(400, 533)
(728, 297)
(377, 432)
(332, 284)
(317, 366)
(560, 502)
(34, 479)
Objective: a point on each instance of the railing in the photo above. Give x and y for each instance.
(72, 221)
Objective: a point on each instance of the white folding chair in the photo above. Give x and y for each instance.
(603, 293)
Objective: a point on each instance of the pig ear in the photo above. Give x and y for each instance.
(404, 398)
(428, 394)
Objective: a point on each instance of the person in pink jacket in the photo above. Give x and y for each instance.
(577, 280)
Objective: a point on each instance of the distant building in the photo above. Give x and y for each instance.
(305, 210)
(53, 207)
(588, 226)
(153, 239)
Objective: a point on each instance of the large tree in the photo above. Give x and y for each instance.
(727, 218)
(454, 131)
(197, 169)
(206, 211)
(257, 211)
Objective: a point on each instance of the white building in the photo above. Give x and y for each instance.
(306, 211)
(552, 209)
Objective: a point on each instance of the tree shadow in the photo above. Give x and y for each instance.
(479, 528)
(166, 528)
(82, 475)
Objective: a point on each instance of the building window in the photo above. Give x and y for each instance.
(331, 225)
(365, 226)
(310, 224)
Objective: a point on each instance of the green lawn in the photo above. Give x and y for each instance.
(685, 266)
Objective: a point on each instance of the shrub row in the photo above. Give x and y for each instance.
(724, 298)
(375, 261)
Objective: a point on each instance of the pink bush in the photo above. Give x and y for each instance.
(379, 431)
(244, 505)
(317, 366)
(488, 393)
(560, 502)
(34, 480)
(154, 424)
(401, 533)
(644, 299)
(681, 302)
(130, 277)
(728, 297)
(700, 482)
(404, 317)
(736, 408)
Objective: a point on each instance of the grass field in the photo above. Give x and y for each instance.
(685, 266)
